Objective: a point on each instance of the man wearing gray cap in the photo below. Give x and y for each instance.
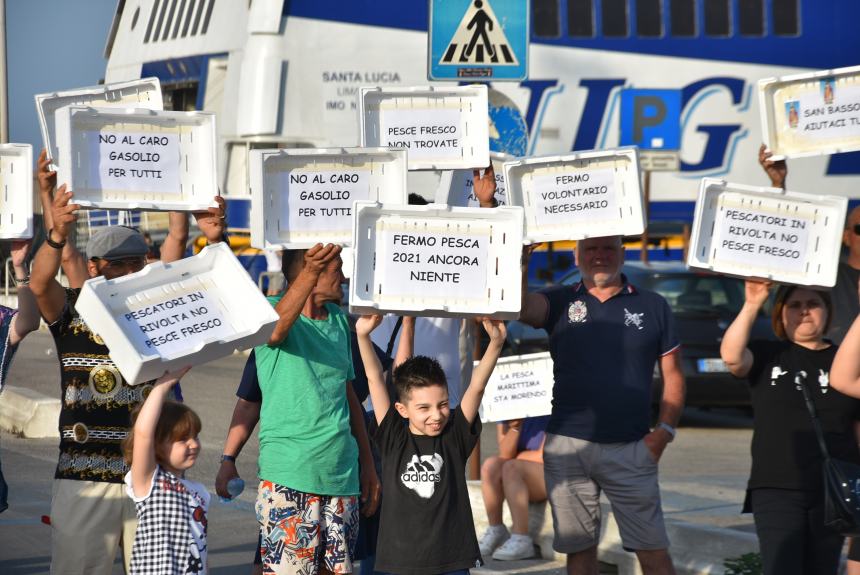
(90, 512)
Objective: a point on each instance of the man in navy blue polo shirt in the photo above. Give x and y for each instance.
(605, 337)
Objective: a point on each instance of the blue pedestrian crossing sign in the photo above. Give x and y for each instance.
(478, 40)
(651, 119)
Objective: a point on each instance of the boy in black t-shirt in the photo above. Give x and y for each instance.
(427, 526)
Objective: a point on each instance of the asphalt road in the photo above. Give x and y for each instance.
(703, 472)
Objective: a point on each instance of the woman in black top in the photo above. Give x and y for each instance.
(785, 488)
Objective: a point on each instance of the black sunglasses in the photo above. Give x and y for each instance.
(857, 229)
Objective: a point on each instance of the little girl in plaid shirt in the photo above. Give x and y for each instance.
(171, 510)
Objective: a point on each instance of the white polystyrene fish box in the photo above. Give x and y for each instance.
(16, 191)
(442, 128)
(461, 190)
(143, 93)
(133, 159)
(767, 233)
(519, 387)
(302, 197)
(436, 260)
(168, 316)
(579, 195)
(811, 114)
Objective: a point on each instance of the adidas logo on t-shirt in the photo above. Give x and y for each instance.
(422, 474)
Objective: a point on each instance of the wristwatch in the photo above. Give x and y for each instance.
(668, 429)
(230, 458)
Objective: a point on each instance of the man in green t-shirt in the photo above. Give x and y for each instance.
(312, 433)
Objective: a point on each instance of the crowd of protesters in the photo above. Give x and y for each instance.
(366, 424)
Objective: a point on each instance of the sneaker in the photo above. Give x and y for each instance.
(494, 536)
(516, 547)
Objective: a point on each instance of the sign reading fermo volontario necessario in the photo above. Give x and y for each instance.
(580, 195)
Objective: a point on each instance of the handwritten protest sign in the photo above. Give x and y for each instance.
(564, 197)
(767, 233)
(322, 199)
(433, 262)
(135, 161)
(441, 127)
(437, 261)
(810, 114)
(520, 386)
(763, 238)
(168, 316)
(176, 324)
(575, 196)
(826, 114)
(424, 133)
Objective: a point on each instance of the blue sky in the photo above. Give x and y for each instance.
(51, 45)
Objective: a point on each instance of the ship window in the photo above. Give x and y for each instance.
(614, 18)
(178, 21)
(169, 22)
(682, 15)
(546, 18)
(649, 18)
(751, 17)
(155, 18)
(580, 18)
(208, 16)
(717, 18)
(785, 17)
(189, 13)
(197, 17)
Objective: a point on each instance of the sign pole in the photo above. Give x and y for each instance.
(646, 193)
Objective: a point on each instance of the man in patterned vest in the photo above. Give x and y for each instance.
(90, 512)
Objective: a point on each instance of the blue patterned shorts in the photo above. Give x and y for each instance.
(302, 532)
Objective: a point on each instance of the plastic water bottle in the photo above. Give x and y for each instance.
(234, 487)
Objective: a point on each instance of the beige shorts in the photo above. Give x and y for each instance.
(576, 471)
(89, 520)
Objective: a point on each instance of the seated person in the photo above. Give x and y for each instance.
(515, 475)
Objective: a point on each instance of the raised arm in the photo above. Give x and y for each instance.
(27, 318)
(372, 367)
(246, 414)
(174, 245)
(776, 170)
(73, 263)
(210, 221)
(291, 303)
(213, 222)
(534, 306)
(845, 372)
(143, 453)
(406, 346)
(481, 374)
(734, 350)
(50, 295)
